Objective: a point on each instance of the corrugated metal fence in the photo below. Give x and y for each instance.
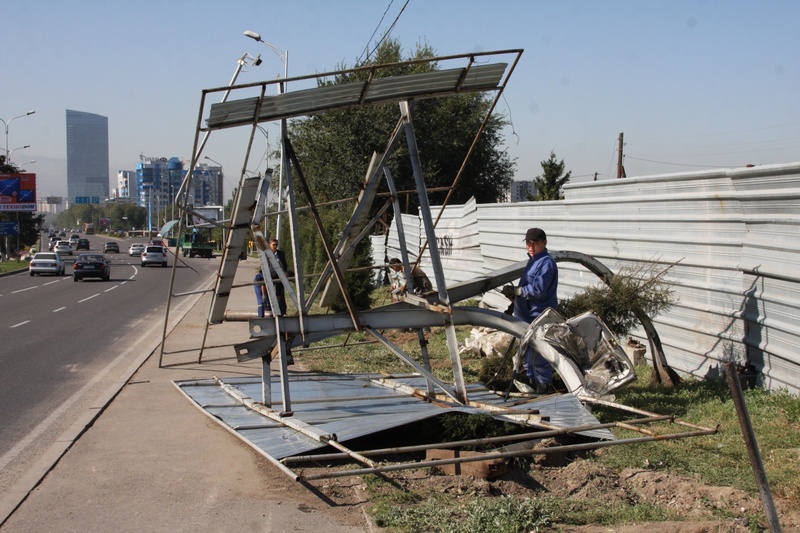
(732, 235)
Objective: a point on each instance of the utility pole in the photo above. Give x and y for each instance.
(620, 168)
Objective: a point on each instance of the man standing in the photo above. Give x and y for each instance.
(537, 290)
(261, 292)
(273, 274)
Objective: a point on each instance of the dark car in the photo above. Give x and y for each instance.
(83, 244)
(91, 266)
(111, 246)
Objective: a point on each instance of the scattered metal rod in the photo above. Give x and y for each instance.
(751, 443)
(536, 435)
(501, 455)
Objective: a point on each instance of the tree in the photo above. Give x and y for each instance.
(334, 150)
(548, 185)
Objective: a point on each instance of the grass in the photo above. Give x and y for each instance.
(9, 266)
(719, 459)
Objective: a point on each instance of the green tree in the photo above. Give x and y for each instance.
(548, 185)
(335, 148)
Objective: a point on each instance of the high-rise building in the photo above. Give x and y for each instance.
(521, 189)
(158, 180)
(207, 183)
(87, 158)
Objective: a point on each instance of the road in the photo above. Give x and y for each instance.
(64, 343)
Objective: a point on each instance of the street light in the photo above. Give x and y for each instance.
(9, 152)
(284, 57)
(6, 123)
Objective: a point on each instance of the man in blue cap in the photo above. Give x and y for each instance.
(537, 290)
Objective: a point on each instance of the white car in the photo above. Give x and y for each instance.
(136, 249)
(47, 263)
(73, 240)
(154, 255)
(62, 248)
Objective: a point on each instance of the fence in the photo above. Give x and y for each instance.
(733, 237)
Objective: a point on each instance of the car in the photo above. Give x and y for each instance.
(53, 241)
(154, 255)
(62, 248)
(83, 244)
(91, 266)
(47, 263)
(73, 239)
(111, 246)
(158, 242)
(136, 249)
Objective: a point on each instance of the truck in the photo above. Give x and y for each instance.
(196, 244)
(88, 228)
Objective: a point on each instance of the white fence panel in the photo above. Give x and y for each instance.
(731, 239)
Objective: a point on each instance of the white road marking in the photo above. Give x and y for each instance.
(20, 324)
(23, 290)
(59, 309)
(89, 298)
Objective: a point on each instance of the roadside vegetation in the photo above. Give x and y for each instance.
(719, 460)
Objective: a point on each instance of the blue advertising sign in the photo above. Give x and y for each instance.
(18, 192)
(9, 228)
(82, 199)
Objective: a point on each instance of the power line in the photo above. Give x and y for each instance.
(375, 31)
(386, 34)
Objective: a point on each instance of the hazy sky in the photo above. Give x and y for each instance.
(693, 84)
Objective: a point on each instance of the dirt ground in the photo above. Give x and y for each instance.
(699, 506)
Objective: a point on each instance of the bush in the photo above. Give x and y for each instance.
(616, 303)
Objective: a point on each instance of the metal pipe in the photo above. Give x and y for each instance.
(752, 447)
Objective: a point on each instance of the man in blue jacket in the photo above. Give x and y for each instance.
(537, 290)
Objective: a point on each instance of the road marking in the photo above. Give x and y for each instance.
(89, 298)
(20, 324)
(51, 282)
(23, 290)
(111, 289)
(59, 309)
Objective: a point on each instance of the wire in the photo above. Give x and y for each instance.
(375, 31)
(675, 164)
(386, 34)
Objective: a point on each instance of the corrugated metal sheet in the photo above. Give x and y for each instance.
(733, 235)
(352, 406)
(370, 91)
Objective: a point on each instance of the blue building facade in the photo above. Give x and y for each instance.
(87, 158)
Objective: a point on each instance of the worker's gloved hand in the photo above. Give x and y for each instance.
(509, 291)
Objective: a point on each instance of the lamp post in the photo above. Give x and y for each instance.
(8, 122)
(284, 57)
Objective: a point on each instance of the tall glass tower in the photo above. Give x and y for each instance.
(87, 158)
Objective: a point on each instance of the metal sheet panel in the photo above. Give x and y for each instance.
(372, 91)
(352, 406)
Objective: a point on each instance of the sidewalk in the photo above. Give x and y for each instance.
(154, 462)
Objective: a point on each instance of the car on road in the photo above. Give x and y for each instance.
(73, 239)
(62, 248)
(91, 266)
(111, 246)
(47, 263)
(136, 249)
(153, 255)
(53, 241)
(157, 242)
(83, 244)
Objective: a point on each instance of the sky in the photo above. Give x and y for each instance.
(692, 84)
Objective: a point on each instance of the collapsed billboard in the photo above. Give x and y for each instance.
(18, 192)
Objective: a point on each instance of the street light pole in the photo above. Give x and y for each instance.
(8, 122)
(284, 57)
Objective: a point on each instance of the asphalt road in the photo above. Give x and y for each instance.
(63, 344)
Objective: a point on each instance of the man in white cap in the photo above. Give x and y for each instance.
(537, 290)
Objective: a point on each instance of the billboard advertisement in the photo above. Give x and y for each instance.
(18, 192)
